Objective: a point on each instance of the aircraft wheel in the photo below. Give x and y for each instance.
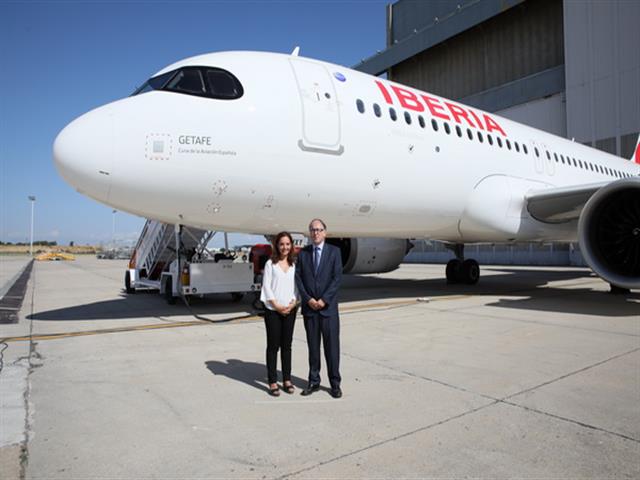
(470, 272)
(168, 291)
(127, 283)
(453, 270)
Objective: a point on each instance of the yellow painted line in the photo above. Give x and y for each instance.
(248, 318)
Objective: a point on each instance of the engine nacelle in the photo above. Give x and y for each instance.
(371, 255)
(609, 233)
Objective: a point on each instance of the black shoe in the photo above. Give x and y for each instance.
(310, 389)
(336, 392)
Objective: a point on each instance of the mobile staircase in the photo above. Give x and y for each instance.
(174, 260)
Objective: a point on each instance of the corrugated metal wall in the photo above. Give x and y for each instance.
(519, 42)
(602, 49)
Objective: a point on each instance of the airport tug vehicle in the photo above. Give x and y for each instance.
(174, 260)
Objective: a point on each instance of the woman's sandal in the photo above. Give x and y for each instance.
(288, 389)
(274, 392)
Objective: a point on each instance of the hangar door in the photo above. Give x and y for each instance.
(319, 102)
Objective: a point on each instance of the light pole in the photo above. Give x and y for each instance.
(32, 199)
(113, 229)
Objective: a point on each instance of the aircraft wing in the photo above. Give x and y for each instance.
(561, 204)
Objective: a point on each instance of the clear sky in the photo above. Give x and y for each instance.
(61, 59)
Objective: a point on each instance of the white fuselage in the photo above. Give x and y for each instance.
(295, 146)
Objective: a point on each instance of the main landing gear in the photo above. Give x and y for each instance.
(460, 270)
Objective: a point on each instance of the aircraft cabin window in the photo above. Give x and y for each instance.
(407, 118)
(516, 146)
(376, 110)
(459, 130)
(489, 139)
(421, 121)
(393, 114)
(499, 141)
(508, 144)
(524, 147)
(360, 105)
(469, 134)
(480, 139)
(549, 156)
(447, 128)
(580, 163)
(434, 124)
(537, 152)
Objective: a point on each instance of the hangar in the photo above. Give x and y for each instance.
(571, 68)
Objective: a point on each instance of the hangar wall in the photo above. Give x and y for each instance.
(565, 66)
(602, 50)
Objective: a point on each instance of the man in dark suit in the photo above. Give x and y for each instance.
(318, 275)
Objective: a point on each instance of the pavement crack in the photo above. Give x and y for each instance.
(567, 375)
(388, 440)
(570, 420)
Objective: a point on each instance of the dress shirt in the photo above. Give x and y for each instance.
(278, 285)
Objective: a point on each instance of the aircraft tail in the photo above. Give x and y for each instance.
(635, 157)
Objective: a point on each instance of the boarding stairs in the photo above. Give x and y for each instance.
(156, 248)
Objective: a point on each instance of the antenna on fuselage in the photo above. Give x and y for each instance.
(295, 52)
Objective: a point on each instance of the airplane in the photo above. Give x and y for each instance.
(260, 142)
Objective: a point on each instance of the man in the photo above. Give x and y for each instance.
(318, 275)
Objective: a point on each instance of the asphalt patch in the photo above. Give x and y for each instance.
(11, 303)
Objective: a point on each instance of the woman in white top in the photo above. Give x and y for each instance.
(280, 297)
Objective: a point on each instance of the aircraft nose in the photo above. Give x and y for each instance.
(83, 154)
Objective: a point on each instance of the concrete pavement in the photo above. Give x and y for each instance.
(532, 373)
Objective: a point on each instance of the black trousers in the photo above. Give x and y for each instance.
(327, 329)
(279, 337)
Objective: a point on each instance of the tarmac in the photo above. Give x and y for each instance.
(532, 373)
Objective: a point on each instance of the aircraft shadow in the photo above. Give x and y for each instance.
(531, 287)
(250, 373)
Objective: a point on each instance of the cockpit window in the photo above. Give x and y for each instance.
(187, 80)
(222, 84)
(201, 81)
(155, 83)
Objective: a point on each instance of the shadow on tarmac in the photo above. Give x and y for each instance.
(532, 284)
(251, 373)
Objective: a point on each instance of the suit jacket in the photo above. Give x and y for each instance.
(323, 285)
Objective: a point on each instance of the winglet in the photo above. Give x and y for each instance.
(295, 52)
(636, 154)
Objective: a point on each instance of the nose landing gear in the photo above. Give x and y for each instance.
(460, 270)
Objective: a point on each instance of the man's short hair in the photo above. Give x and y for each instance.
(317, 220)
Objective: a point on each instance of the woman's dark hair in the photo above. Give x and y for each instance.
(275, 254)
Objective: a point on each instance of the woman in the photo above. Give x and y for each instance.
(280, 298)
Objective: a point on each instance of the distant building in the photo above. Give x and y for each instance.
(569, 67)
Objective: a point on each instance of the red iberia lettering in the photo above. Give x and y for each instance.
(442, 109)
(492, 125)
(458, 113)
(434, 107)
(385, 93)
(478, 121)
(408, 99)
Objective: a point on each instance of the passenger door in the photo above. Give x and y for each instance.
(320, 114)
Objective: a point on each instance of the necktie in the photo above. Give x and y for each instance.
(316, 259)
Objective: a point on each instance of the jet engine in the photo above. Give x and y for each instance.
(609, 233)
(371, 255)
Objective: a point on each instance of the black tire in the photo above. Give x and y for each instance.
(453, 270)
(470, 272)
(127, 283)
(168, 291)
(237, 296)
